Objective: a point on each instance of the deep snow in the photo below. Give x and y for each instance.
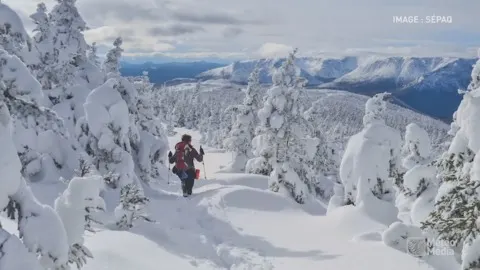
(233, 222)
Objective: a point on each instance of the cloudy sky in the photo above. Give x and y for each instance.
(237, 29)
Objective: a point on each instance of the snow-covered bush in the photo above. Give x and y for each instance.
(416, 196)
(417, 146)
(131, 208)
(76, 207)
(372, 156)
(405, 238)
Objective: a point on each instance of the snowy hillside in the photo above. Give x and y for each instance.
(338, 113)
(412, 79)
(233, 222)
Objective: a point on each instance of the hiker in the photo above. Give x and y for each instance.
(184, 164)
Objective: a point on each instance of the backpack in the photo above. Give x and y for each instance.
(180, 153)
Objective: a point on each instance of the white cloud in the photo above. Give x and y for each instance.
(274, 50)
(314, 26)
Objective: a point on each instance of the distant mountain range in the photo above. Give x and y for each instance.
(160, 73)
(425, 84)
(428, 85)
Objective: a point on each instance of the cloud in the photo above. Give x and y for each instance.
(107, 34)
(264, 27)
(175, 30)
(274, 50)
(209, 18)
(232, 32)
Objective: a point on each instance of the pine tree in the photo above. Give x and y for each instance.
(455, 217)
(77, 206)
(42, 41)
(325, 159)
(193, 109)
(112, 62)
(69, 49)
(93, 56)
(153, 144)
(14, 39)
(243, 131)
(280, 146)
(131, 208)
(371, 159)
(50, 249)
(418, 187)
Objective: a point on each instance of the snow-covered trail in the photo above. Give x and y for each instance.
(233, 222)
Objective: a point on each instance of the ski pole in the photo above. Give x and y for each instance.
(168, 174)
(204, 171)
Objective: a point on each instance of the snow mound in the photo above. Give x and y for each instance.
(255, 199)
(113, 250)
(343, 218)
(242, 179)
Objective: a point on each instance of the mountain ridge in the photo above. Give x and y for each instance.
(427, 84)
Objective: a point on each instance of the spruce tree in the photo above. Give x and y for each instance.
(240, 137)
(279, 148)
(455, 217)
(112, 61)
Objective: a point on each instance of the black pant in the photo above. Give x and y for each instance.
(187, 184)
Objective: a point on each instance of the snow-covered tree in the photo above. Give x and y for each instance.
(69, 75)
(153, 145)
(43, 43)
(193, 116)
(456, 214)
(69, 49)
(14, 38)
(104, 133)
(93, 55)
(417, 146)
(325, 160)
(371, 163)
(280, 148)
(112, 61)
(76, 207)
(417, 191)
(131, 208)
(243, 131)
(45, 148)
(41, 232)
